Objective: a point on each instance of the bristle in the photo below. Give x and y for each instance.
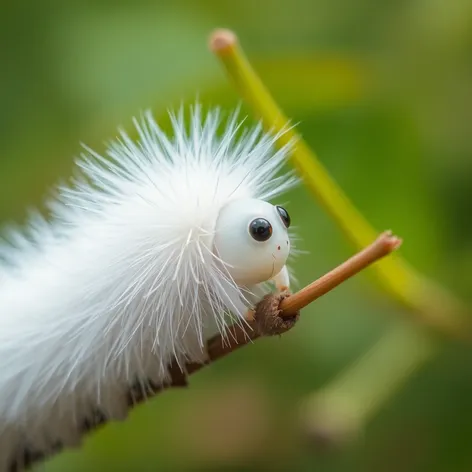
(110, 290)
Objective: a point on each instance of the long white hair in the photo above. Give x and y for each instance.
(123, 278)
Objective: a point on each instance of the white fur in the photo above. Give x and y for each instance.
(123, 278)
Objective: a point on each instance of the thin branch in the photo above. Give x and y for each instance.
(290, 306)
(382, 246)
(274, 314)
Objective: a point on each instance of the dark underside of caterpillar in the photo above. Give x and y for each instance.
(266, 322)
(28, 456)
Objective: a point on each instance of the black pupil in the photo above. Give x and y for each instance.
(260, 229)
(284, 215)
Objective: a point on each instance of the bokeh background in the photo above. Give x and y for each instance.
(382, 91)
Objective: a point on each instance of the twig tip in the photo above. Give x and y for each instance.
(390, 241)
(221, 40)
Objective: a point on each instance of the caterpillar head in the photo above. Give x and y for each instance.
(252, 240)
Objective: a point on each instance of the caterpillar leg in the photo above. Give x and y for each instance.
(282, 280)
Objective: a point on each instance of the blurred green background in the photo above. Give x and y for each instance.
(382, 91)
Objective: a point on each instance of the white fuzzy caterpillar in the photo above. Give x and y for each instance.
(154, 248)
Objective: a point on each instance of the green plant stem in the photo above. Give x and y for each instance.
(434, 306)
(347, 403)
(403, 349)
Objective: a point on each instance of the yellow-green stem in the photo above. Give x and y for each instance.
(356, 395)
(434, 306)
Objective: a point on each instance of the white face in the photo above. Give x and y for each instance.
(252, 238)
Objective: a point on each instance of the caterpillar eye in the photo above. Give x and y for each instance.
(284, 215)
(260, 229)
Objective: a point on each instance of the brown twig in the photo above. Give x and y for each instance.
(274, 314)
(291, 305)
(383, 245)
